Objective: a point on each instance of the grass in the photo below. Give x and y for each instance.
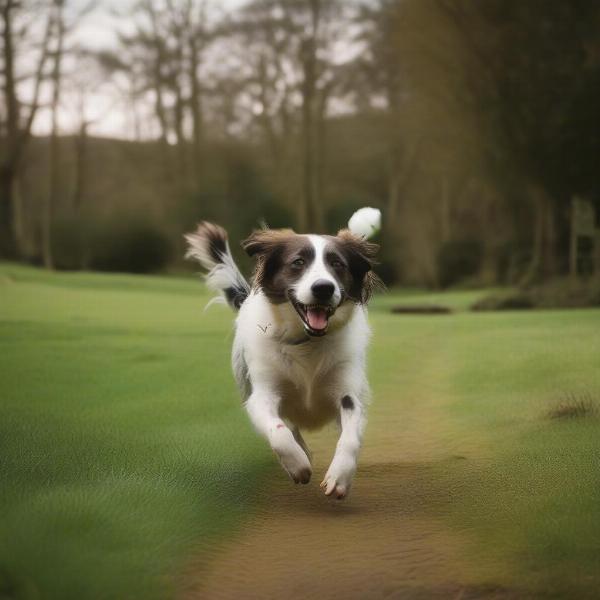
(121, 434)
(123, 447)
(480, 386)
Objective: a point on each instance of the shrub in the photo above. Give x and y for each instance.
(70, 238)
(557, 293)
(508, 301)
(458, 260)
(129, 245)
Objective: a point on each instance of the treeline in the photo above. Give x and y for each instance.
(470, 124)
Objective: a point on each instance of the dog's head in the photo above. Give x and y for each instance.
(316, 274)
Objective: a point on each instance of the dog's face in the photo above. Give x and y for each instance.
(316, 274)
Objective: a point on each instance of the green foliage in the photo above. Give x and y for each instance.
(129, 245)
(457, 260)
(557, 293)
(70, 242)
(234, 193)
(122, 243)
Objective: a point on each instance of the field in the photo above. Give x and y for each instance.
(128, 469)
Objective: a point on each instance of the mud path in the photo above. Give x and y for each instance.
(389, 539)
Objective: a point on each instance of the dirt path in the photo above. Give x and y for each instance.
(389, 539)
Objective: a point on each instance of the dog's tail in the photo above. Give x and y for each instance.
(209, 246)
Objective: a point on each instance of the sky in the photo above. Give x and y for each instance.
(99, 30)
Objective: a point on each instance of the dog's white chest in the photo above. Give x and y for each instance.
(308, 377)
(308, 385)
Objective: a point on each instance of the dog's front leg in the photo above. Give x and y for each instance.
(263, 409)
(352, 419)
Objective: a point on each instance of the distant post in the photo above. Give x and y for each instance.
(584, 252)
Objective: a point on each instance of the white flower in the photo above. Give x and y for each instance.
(365, 222)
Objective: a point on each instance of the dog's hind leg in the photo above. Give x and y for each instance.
(298, 437)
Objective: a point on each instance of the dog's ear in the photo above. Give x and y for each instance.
(360, 255)
(264, 241)
(266, 245)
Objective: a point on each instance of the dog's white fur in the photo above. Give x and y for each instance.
(317, 271)
(290, 381)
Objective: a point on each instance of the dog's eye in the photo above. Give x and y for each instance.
(337, 264)
(299, 262)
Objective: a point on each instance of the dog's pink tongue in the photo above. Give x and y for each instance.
(317, 318)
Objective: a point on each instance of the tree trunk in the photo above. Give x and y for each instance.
(8, 169)
(8, 242)
(182, 171)
(52, 198)
(196, 109)
(533, 269)
(543, 257)
(159, 104)
(549, 259)
(80, 167)
(445, 210)
(18, 214)
(17, 133)
(306, 217)
(309, 212)
(393, 186)
(79, 192)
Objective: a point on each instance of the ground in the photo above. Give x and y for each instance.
(129, 470)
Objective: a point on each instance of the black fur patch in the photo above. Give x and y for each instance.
(235, 296)
(358, 255)
(347, 403)
(217, 243)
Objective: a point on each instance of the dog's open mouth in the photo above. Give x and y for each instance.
(315, 317)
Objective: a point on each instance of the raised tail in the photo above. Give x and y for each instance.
(209, 246)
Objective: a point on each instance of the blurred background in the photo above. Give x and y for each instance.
(474, 126)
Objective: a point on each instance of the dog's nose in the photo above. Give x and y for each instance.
(322, 289)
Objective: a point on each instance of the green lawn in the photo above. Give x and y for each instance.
(478, 388)
(122, 441)
(123, 445)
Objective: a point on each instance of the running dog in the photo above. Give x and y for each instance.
(301, 336)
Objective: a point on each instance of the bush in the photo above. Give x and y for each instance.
(129, 245)
(509, 301)
(458, 260)
(70, 238)
(557, 293)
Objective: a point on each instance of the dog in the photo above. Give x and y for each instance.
(301, 337)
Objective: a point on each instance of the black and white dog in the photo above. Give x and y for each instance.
(301, 337)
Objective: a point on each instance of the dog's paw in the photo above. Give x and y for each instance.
(338, 479)
(291, 456)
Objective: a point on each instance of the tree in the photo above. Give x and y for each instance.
(20, 112)
(531, 68)
(58, 20)
(288, 48)
(165, 57)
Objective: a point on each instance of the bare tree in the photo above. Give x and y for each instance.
(20, 112)
(56, 76)
(165, 53)
(288, 47)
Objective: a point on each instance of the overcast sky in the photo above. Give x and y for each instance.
(98, 30)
